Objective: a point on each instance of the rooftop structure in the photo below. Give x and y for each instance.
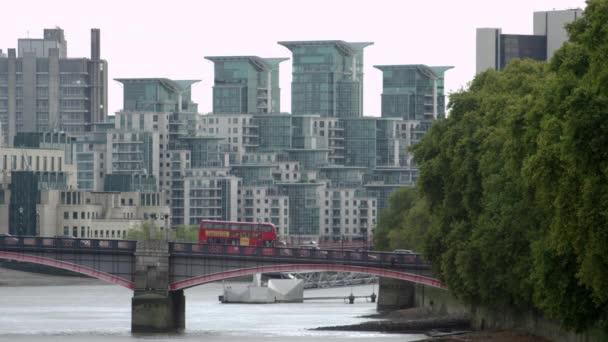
(158, 95)
(246, 85)
(327, 77)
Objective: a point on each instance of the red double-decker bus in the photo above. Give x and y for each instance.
(237, 233)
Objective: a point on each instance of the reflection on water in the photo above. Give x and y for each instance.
(103, 312)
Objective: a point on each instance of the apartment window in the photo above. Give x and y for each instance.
(75, 215)
(66, 230)
(66, 216)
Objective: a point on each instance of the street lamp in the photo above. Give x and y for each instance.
(20, 228)
(165, 218)
(153, 224)
(37, 222)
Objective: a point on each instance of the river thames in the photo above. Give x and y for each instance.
(103, 313)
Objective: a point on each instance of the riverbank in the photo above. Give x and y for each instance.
(10, 277)
(444, 328)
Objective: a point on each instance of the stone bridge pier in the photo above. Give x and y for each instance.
(155, 309)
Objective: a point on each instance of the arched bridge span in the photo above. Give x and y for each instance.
(88, 271)
(208, 278)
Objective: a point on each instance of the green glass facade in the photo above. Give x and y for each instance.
(413, 92)
(22, 207)
(304, 207)
(342, 176)
(129, 183)
(157, 95)
(246, 85)
(309, 159)
(47, 140)
(204, 151)
(327, 78)
(275, 132)
(360, 142)
(254, 174)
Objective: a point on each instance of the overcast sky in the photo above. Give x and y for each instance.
(170, 38)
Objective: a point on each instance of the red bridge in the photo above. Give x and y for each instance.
(159, 271)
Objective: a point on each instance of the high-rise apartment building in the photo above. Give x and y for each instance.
(413, 92)
(42, 89)
(246, 85)
(495, 49)
(327, 78)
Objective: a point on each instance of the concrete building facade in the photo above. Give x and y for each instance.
(42, 89)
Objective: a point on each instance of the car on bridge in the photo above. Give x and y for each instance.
(312, 250)
(9, 239)
(406, 256)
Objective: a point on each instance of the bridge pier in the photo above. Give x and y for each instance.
(155, 309)
(394, 294)
(152, 312)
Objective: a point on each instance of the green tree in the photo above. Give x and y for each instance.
(569, 173)
(399, 201)
(512, 197)
(148, 230)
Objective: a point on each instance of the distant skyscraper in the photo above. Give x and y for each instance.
(495, 50)
(42, 89)
(327, 78)
(413, 92)
(246, 85)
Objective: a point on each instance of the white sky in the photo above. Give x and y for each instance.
(150, 38)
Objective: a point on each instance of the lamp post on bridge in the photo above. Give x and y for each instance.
(37, 222)
(20, 227)
(165, 225)
(153, 218)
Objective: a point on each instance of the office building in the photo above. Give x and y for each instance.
(327, 78)
(42, 89)
(495, 49)
(246, 85)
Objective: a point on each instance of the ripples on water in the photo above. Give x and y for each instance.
(103, 313)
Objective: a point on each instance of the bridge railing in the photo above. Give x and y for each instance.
(365, 257)
(38, 243)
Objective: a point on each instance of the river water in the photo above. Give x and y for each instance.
(103, 313)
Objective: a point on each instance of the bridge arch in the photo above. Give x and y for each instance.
(68, 266)
(208, 278)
